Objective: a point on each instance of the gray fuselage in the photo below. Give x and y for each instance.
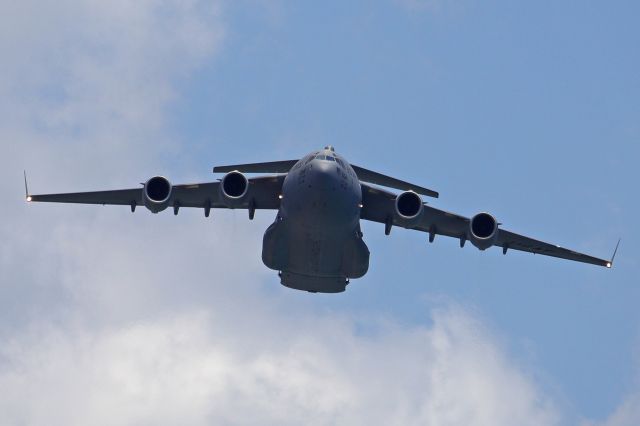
(315, 242)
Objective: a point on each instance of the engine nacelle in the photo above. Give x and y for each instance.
(157, 194)
(483, 230)
(409, 208)
(233, 189)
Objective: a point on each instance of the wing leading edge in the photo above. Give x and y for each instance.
(268, 167)
(379, 206)
(388, 181)
(364, 175)
(510, 240)
(262, 193)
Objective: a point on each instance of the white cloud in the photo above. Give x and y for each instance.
(626, 414)
(193, 369)
(84, 92)
(94, 79)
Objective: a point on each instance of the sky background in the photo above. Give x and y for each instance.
(530, 111)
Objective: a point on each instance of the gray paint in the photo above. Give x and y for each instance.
(315, 242)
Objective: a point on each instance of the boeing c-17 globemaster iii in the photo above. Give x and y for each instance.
(315, 242)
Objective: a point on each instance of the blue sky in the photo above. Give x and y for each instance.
(528, 111)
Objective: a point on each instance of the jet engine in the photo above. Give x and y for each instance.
(156, 194)
(483, 230)
(234, 188)
(409, 208)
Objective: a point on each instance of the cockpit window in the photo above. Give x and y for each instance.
(325, 157)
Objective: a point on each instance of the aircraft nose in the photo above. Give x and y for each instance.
(323, 173)
(326, 200)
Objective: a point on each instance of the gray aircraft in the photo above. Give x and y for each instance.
(315, 242)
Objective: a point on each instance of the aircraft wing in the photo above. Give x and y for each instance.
(510, 240)
(363, 174)
(384, 180)
(268, 167)
(379, 206)
(263, 192)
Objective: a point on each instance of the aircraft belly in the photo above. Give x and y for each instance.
(312, 283)
(312, 260)
(315, 253)
(324, 265)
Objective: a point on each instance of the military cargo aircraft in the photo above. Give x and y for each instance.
(315, 242)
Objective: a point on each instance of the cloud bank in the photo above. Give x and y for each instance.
(195, 369)
(627, 413)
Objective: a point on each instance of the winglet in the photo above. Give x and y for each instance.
(610, 263)
(26, 187)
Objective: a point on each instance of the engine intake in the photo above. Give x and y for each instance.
(234, 188)
(157, 194)
(409, 208)
(483, 230)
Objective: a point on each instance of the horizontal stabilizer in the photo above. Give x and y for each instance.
(269, 167)
(383, 180)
